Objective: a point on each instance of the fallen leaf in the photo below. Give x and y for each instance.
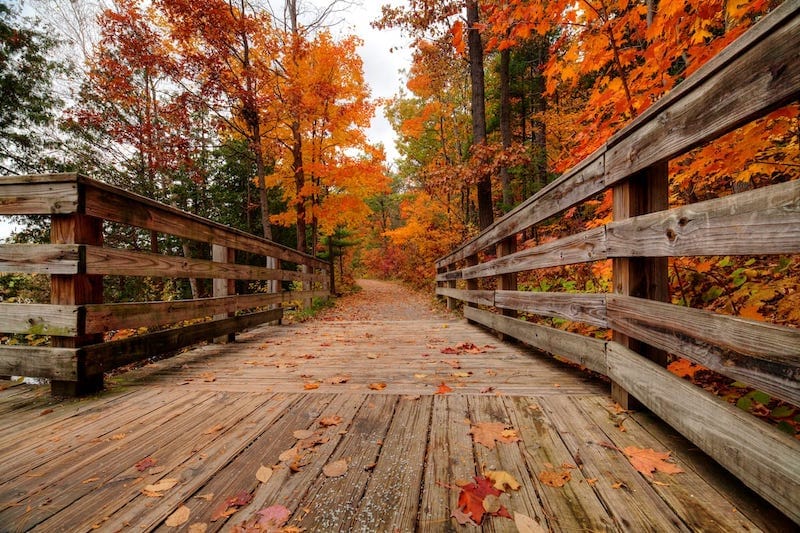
(377, 386)
(443, 388)
(145, 463)
(461, 374)
(502, 479)
(179, 517)
(118, 436)
(273, 517)
(648, 461)
(263, 473)
(46, 412)
(208, 377)
(487, 433)
(300, 434)
(491, 503)
(335, 469)
(420, 376)
(90, 480)
(591, 480)
(554, 479)
(231, 505)
(472, 496)
(156, 489)
(289, 454)
(617, 485)
(372, 356)
(208, 496)
(486, 390)
(463, 518)
(334, 420)
(198, 527)
(526, 524)
(335, 380)
(310, 386)
(454, 363)
(214, 429)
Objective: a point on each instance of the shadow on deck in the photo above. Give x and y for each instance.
(206, 421)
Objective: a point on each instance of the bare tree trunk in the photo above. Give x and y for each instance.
(505, 122)
(485, 207)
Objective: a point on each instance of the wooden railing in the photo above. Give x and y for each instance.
(758, 73)
(76, 317)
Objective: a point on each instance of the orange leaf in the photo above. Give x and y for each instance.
(648, 461)
(554, 479)
(377, 386)
(443, 388)
(310, 386)
(487, 433)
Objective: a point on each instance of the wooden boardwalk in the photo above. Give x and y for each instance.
(360, 386)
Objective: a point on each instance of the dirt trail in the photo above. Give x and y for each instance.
(383, 300)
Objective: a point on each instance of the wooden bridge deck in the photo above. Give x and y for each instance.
(210, 418)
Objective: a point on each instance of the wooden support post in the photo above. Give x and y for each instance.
(77, 289)
(472, 284)
(451, 302)
(645, 277)
(222, 286)
(507, 282)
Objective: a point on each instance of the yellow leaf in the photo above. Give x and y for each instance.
(502, 479)
(263, 474)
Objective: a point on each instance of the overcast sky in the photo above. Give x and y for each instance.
(385, 54)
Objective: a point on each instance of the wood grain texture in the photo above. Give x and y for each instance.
(762, 355)
(39, 319)
(769, 464)
(477, 297)
(44, 362)
(112, 261)
(579, 307)
(40, 258)
(33, 198)
(759, 222)
(585, 351)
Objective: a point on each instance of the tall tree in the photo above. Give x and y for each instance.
(27, 101)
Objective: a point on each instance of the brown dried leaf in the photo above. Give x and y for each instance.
(526, 524)
(198, 527)
(310, 386)
(377, 386)
(487, 433)
(648, 461)
(289, 455)
(334, 420)
(337, 379)
(179, 517)
(463, 518)
(145, 463)
(554, 479)
(161, 486)
(301, 434)
(263, 473)
(335, 469)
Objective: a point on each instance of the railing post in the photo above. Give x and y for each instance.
(222, 286)
(646, 191)
(507, 282)
(308, 285)
(472, 284)
(77, 289)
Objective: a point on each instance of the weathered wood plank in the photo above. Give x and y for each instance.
(576, 185)
(477, 297)
(107, 317)
(391, 497)
(110, 355)
(451, 275)
(507, 458)
(680, 491)
(581, 248)
(579, 307)
(759, 222)
(449, 458)
(34, 198)
(36, 361)
(755, 74)
(630, 500)
(111, 261)
(332, 501)
(573, 507)
(770, 354)
(585, 351)
(39, 319)
(769, 464)
(116, 205)
(40, 258)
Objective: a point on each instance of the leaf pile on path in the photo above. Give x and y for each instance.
(482, 497)
(465, 348)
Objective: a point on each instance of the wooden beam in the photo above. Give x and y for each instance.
(765, 459)
(759, 222)
(585, 351)
(40, 258)
(30, 195)
(39, 361)
(109, 355)
(39, 319)
(579, 307)
(477, 297)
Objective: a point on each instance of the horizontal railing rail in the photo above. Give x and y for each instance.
(77, 262)
(758, 73)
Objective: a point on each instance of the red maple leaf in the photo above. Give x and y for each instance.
(470, 500)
